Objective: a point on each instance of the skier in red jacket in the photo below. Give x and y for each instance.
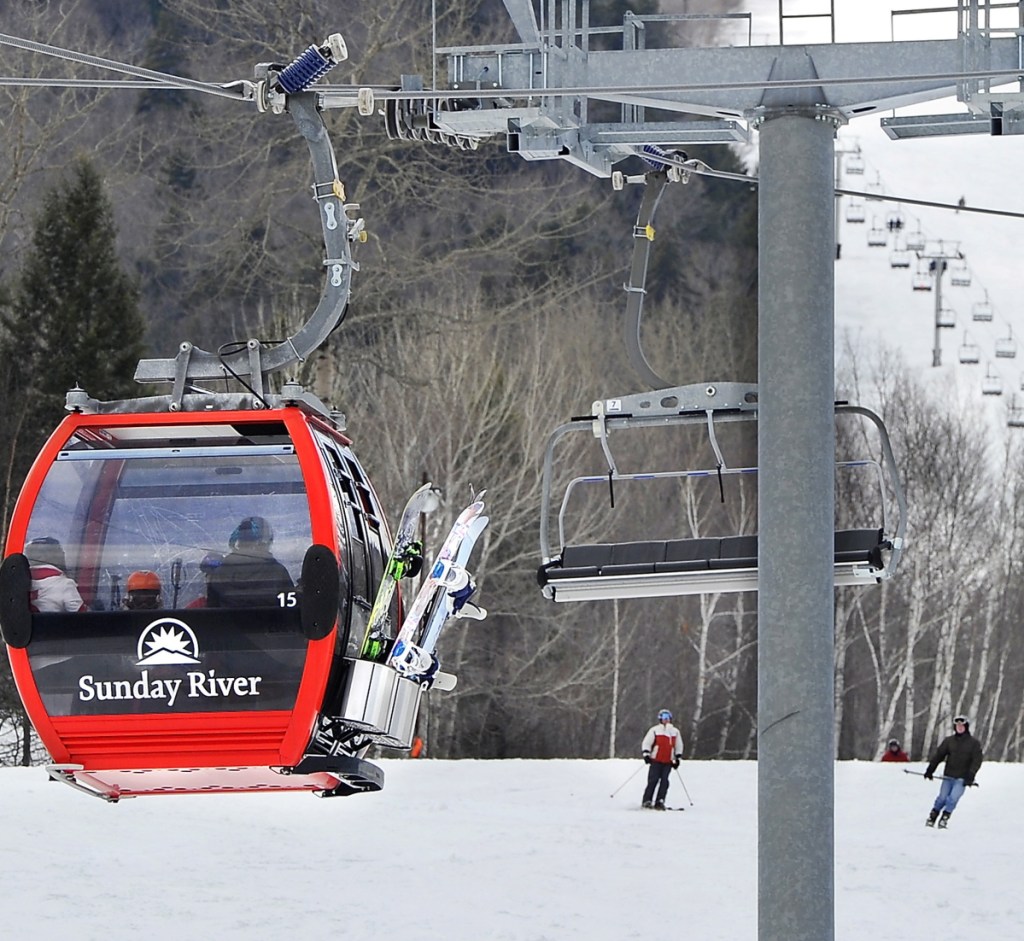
(662, 749)
(893, 752)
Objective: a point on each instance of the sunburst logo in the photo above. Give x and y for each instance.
(167, 640)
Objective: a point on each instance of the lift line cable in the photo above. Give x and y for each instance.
(156, 78)
(932, 204)
(385, 93)
(702, 169)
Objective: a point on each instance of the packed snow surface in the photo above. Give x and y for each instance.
(498, 851)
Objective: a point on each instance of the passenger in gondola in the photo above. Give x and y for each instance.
(52, 589)
(142, 591)
(893, 752)
(249, 575)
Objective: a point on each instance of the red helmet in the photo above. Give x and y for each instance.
(143, 580)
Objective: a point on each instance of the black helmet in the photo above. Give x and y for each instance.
(252, 531)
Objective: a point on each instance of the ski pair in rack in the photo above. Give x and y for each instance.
(443, 595)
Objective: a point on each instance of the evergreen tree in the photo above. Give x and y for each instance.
(72, 318)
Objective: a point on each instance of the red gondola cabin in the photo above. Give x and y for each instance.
(264, 541)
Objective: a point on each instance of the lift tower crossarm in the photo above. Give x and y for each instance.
(536, 92)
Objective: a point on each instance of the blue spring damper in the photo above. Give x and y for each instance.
(312, 65)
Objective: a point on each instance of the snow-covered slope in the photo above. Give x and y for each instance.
(497, 850)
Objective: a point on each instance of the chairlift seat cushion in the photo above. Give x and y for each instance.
(736, 552)
(688, 555)
(634, 558)
(576, 562)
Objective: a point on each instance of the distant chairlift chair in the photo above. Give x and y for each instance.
(970, 352)
(982, 311)
(683, 566)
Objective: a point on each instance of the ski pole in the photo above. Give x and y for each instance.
(686, 792)
(624, 783)
(940, 777)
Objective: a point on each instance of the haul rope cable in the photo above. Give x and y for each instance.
(385, 93)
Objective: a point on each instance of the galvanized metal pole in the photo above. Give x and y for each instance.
(796, 448)
(940, 267)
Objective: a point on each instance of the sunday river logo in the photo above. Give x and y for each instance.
(168, 640)
(163, 643)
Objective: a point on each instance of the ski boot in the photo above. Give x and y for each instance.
(646, 805)
(933, 815)
(659, 805)
(944, 820)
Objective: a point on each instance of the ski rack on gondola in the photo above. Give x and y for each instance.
(684, 566)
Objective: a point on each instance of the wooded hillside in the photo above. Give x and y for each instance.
(488, 308)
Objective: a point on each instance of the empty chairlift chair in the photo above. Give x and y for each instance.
(899, 258)
(922, 280)
(855, 212)
(970, 352)
(878, 235)
(960, 275)
(992, 382)
(855, 164)
(982, 311)
(1006, 347)
(916, 240)
(681, 562)
(946, 317)
(1015, 414)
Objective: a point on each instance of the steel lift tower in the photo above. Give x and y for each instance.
(538, 93)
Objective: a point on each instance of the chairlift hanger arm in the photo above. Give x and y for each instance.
(643, 235)
(338, 231)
